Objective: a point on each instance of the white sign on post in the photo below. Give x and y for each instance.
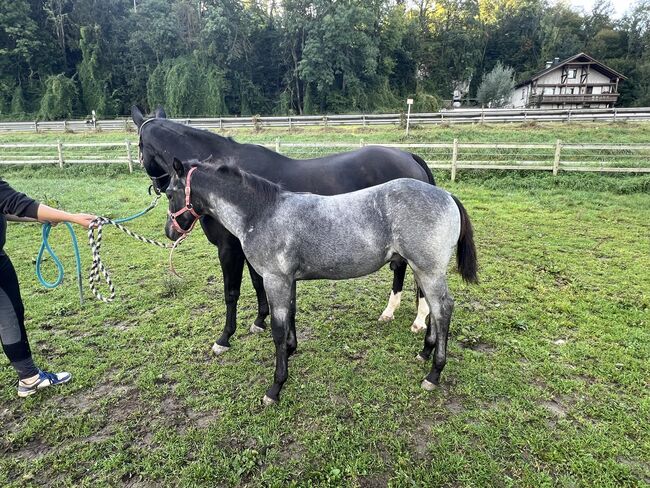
(409, 102)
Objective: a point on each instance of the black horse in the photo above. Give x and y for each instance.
(162, 140)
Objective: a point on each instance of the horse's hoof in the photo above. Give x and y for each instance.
(385, 318)
(218, 349)
(267, 401)
(256, 329)
(421, 358)
(417, 328)
(427, 385)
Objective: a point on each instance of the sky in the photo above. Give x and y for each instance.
(620, 6)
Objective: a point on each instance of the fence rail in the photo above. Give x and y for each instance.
(456, 116)
(454, 156)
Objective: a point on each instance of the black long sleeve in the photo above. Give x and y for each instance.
(14, 203)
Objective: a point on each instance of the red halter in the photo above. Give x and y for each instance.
(187, 208)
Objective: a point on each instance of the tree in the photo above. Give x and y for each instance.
(93, 73)
(59, 97)
(496, 87)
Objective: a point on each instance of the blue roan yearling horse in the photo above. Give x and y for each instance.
(162, 140)
(289, 236)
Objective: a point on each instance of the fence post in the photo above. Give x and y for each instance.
(614, 115)
(36, 126)
(361, 143)
(128, 155)
(220, 123)
(556, 160)
(126, 125)
(364, 119)
(65, 126)
(454, 159)
(482, 115)
(289, 122)
(277, 145)
(569, 117)
(59, 148)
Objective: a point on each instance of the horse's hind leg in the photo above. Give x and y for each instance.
(262, 303)
(420, 322)
(292, 340)
(399, 271)
(441, 306)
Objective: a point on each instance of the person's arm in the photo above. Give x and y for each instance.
(53, 215)
(13, 218)
(16, 204)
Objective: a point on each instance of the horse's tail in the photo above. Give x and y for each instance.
(423, 164)
(466, 261)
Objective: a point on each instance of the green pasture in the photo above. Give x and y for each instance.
(546, 384)
(612, 135)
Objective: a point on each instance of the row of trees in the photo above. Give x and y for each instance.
(63, 58)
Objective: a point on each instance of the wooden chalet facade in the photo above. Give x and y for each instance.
(576, 82)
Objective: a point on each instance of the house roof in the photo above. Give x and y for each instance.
(598, 65)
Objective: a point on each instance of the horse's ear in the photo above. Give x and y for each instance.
(136, 115)
(178, 167)
(160, 113)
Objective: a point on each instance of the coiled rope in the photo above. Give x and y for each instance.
(45, 247)
(95, 242)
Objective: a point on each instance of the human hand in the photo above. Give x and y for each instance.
(82, 219)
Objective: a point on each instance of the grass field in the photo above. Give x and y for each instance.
(546, 384)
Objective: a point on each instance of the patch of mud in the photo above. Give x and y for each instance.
(555, 408)
(304, 334)
(379, 480)
(290, 450)
(454, 405)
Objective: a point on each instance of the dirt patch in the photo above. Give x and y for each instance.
(379, 480)
(304, 334)
(291, 450)
(484, 348)
(555, 408)
(454, 405)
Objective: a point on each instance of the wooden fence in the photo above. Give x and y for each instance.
(454, 156)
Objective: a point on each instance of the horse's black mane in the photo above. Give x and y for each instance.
(183, 130)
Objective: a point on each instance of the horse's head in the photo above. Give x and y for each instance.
(181, 216)
(156, 162)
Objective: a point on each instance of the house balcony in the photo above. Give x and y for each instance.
(573, 98)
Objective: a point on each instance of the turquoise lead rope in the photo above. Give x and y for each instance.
(45, 247)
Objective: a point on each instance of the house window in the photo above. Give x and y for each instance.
(573, 73)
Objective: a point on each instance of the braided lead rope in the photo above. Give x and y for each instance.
(95, 242)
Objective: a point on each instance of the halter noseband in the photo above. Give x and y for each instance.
(187, 208)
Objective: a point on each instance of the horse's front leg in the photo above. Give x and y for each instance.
(262, 303)
(279, 292)
(232, 260)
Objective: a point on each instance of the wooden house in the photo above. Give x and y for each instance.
(576, 82)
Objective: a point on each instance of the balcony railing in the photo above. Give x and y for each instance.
(575, 98)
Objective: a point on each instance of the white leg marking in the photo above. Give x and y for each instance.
(420, 322)
(393, 304)
(217, 349)
(268, 401)
(427, 385)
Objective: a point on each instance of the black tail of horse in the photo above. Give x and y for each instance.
(465, 250)
(423, 164)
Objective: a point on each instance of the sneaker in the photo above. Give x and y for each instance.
(44, 380)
